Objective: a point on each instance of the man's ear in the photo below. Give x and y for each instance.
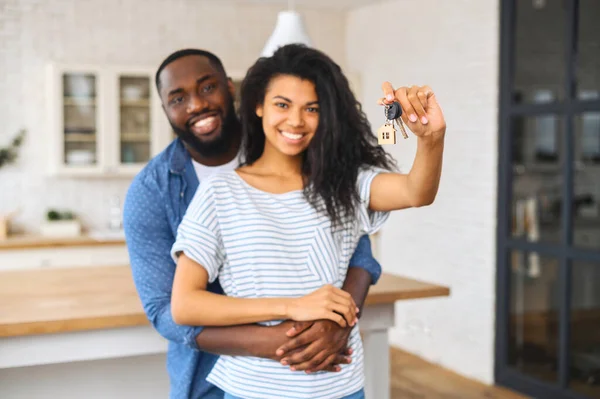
(231, 87)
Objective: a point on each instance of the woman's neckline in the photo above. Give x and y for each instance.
(250, 186)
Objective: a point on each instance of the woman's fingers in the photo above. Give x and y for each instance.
(413, 97)
(388, 93)
(336, 318)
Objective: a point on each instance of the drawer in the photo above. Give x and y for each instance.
(80, 256)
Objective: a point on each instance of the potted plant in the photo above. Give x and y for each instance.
(60, 224)
(7, 156)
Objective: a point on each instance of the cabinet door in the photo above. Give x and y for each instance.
(135, 122)
(75, 108)
(140, 122)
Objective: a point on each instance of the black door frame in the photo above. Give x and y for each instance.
(564, 251)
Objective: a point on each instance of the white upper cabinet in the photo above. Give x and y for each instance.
(104, 121)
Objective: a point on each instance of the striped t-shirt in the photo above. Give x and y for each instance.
(264, 245)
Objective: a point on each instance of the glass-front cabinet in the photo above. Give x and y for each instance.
(104, 121)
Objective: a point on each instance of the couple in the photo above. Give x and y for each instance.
(289, 193)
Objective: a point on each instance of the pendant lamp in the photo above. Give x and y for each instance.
(288, 29)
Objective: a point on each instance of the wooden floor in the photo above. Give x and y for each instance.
(414, 378)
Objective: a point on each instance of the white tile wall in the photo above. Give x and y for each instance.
(453, 47)
(140, 32)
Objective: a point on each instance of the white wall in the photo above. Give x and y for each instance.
(453, 47)
(140, 32)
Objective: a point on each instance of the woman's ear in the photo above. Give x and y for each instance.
(259, 111)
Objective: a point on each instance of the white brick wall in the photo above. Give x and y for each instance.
(453, 47)
(140, 32)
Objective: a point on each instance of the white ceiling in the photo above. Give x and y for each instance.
(331, 4)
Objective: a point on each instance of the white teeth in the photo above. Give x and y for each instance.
(205, 121)
(292, 135)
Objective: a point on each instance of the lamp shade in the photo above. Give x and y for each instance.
(288, 29)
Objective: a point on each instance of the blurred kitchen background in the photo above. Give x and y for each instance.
(515, 231)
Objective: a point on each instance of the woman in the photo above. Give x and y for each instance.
(279, 231)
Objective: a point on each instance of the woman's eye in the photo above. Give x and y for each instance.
(281, 105)
(312, 109)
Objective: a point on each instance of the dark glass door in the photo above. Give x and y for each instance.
(548, 286)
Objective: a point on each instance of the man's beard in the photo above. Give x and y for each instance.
(218, 146)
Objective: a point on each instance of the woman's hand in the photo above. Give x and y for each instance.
(327, 302)
(420, 110)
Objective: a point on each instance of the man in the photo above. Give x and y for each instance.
(198, 100)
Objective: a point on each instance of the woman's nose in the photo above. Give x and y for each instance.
(295, 119)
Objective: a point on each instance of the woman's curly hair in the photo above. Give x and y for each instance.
(343, 142)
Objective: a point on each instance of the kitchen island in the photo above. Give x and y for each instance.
(69, 328)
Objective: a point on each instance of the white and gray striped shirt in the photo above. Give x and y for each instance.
(264, 245)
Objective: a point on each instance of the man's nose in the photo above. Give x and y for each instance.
(195, 104)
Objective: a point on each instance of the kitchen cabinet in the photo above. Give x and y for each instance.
(103, 120)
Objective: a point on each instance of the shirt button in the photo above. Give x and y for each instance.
(181, 194)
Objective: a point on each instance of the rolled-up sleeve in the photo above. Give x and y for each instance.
(363, 258)
(198, 235)
(371, 221)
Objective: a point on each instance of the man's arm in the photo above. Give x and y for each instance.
(246, 340)
(149, 240)
(363, 271)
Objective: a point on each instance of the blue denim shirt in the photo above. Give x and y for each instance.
(154, 207)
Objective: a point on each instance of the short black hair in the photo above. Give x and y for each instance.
(214, 60)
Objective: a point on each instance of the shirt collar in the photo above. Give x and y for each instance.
(179, 157)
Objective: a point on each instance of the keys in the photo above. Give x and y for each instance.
(386, 134)
(394, 112)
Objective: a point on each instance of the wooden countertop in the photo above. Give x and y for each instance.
(65, 300)
(35, 241)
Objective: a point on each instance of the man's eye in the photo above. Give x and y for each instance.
(176, 100)
(208, 88)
